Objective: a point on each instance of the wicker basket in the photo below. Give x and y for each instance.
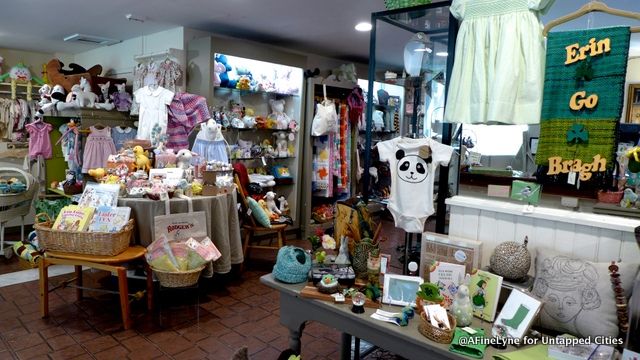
(399, 4)
(438, 335)
(178, 279)
(82, 242)
(420, 302)
(610, 197)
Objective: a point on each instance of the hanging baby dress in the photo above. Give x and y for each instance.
(97, 149)
(498, 72)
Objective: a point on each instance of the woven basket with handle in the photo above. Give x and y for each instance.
(82, 242)
(178, 279)
(443, 336)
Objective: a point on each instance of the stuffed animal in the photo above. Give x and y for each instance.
(210, 131)
(121, 99)
(244, 148)
(221, 60)
(264, 206)
(142, 161)
(21, 74)
(98, 173)
(45, 95)
(82, 94)
(218, 70)
(282, 147)
(284, 204)
(461, 307)
(249, 120)
(106, 103)
(346, 72)
(278, 113)
(237, 123)
(183, 159)
(628, 199)
(68, 78)
(244, 83)
(270, 199)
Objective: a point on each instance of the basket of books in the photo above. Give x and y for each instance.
(68, 234)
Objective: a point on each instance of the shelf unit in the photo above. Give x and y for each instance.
(334, 90)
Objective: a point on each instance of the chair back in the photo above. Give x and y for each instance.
(244, 203)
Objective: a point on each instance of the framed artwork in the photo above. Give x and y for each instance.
(516, 316)
(400, 289)
(633, 104)
(450, 249)
(533, 145)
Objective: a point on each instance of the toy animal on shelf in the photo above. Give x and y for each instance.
(45, 95)
(121, 99)
(278, 114)
(105, 103)
(284, 204)
(183, 159)
(98, 173)
(142, 161)
(21, 74)
(282, 146)
(629, 199)
(270, 199)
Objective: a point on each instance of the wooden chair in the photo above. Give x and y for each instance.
(251, 228)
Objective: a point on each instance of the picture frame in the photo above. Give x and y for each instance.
(633, 104)
(385, 263)
(400, 289)
(516, 316)
(451, 249)
(533, 145)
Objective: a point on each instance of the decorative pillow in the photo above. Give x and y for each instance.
(258, 213)
(577, 295)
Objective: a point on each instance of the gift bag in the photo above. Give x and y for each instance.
(326, 119)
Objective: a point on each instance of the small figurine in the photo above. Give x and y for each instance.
(270, 199)
(461, 307)
(142, 161)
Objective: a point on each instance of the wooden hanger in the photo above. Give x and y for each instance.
(99, 126)
(593, 6)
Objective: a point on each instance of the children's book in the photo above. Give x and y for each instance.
(447, 277)
(484, 289)
(96, 195)
(73, 218)
(109, 219)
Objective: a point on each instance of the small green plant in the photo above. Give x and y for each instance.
(430, 292)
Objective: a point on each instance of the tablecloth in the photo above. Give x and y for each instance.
(223, 226)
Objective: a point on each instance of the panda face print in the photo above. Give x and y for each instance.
(412, 168)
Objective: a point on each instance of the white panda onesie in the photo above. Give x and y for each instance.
(413, 163)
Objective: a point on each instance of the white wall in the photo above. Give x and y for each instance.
(118, 60)
(32, 59)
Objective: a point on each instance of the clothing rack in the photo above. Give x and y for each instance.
(170, 52)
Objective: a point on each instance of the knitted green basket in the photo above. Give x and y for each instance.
(400, 4)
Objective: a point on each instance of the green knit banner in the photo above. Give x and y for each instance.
(583, 96)
(605, 72)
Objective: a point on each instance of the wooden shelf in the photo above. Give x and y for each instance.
(250, 92)
(254, 129)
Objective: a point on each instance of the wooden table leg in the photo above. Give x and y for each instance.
(123, 288)
(78, 269)
(44, 287)
(150, 298)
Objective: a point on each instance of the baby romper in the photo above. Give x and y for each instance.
(413, 163)
(97, 149)
(39, 141)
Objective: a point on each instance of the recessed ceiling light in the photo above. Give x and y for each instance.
(425, 49)
(363, 26)
(442, 53)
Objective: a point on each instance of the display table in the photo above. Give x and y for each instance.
(223, 226)
(403, 341)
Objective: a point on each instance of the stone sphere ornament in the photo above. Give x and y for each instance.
(511, 260)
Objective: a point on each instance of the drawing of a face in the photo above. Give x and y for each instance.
(563, 306)
(412, 168)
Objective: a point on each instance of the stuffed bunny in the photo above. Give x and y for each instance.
(461, 307)
(183, 159)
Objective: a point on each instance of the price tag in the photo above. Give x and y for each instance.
(264, 162)
(571, 179)
(164, 196)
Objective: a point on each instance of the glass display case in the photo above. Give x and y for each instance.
(413, 48)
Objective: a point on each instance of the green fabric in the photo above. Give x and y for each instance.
(553, 141)
(472, 350)
(602, 75)
(258, 213)
(535, 352)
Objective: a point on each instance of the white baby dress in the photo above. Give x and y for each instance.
(498, 74)
(153, 110)
(413, 163)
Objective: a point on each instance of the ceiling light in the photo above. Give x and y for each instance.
(426, 49)
(442, 53)
(91, 39)
(363, 26)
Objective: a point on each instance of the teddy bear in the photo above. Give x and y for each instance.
(218, 70)
(282, 146)
(244, 83)
(183, 159)
(245, 148)
(249, 119)
(277, 113)
(270, 199)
